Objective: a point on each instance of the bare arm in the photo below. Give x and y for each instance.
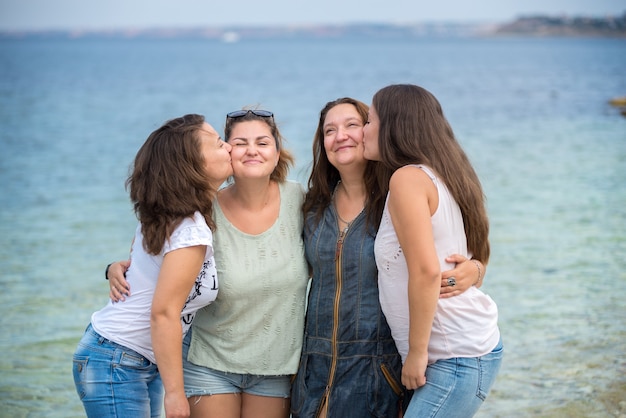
(176, 278)
(412, 199)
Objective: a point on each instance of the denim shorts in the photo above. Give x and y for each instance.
(114, 381)
(200, 381)
(456, 387)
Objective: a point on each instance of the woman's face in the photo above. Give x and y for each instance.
(370, 135)
(254, 153)
(216, 153)
(343, 136)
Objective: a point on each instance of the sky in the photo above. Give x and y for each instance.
(17, 15)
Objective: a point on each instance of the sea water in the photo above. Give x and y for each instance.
(532, 114)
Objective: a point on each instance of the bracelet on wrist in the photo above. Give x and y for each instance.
(106, 272)
(480, 273)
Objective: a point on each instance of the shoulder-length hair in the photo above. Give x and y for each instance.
(169, 182)
(324, 176)
(414, 130)
(285, 158)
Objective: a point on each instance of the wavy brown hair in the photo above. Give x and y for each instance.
(324, 176)
(168, 181)
(285, 158)
(414, 130)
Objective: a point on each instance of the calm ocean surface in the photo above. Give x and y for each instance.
(531, 113)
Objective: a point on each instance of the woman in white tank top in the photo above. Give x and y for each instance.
(451, 348)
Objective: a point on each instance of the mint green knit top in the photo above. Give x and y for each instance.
(256, 324)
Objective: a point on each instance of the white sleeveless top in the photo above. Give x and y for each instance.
(464, 325)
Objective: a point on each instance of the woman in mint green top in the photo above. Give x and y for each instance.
(243, 352)
(255, 326)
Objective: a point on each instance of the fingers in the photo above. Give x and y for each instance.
(456, 258)
(449, 288)
(448, 285)
(449, 294)
(116, 295)
(462, 277)
(119, 287)
(117, 280)
(413, 382)
(118, 290)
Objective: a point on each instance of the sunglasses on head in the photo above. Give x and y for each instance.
(242, 113)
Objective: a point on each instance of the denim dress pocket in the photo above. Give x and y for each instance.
(384, 391)
(395, 385)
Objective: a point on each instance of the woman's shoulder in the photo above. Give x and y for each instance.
(193, 230)
(196, 220)
(293, 190)
(291, 200)
(292, 186)
(410, 174)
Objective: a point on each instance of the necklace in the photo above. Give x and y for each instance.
(344, 221)
(348, 223)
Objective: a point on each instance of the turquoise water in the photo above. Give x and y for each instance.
(531, 113)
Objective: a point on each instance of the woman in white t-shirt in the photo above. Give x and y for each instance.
(172, 185)
(450, 348)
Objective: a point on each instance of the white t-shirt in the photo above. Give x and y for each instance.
(128, 323)
(464, 325)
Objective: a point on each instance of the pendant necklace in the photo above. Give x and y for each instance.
(347, 223)
(344, 231)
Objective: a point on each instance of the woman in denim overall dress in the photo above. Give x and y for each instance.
(350, 366)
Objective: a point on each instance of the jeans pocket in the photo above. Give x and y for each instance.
(132, 367)
(133, 360)
(79, 367)
(489, 366)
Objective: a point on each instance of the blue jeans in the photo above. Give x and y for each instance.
(115, 381)
(455, 388)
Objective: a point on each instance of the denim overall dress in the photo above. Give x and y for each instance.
(350, 366)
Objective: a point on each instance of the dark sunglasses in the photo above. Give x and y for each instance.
(241, 113)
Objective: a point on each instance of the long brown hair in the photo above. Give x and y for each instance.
(414, 130)
(324, 176)
(285, 158)
(169, 182)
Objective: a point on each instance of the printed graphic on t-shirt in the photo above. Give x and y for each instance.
(197, 289)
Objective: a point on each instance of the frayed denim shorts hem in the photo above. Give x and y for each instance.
(201, 381)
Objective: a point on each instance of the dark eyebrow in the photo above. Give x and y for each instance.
(253, 139)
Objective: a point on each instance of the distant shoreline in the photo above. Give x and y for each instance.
(537, 26)
(611, 26)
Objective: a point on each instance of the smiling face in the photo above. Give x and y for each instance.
(216, 154)
(254, 152)
(343, 136)
(370, 135)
